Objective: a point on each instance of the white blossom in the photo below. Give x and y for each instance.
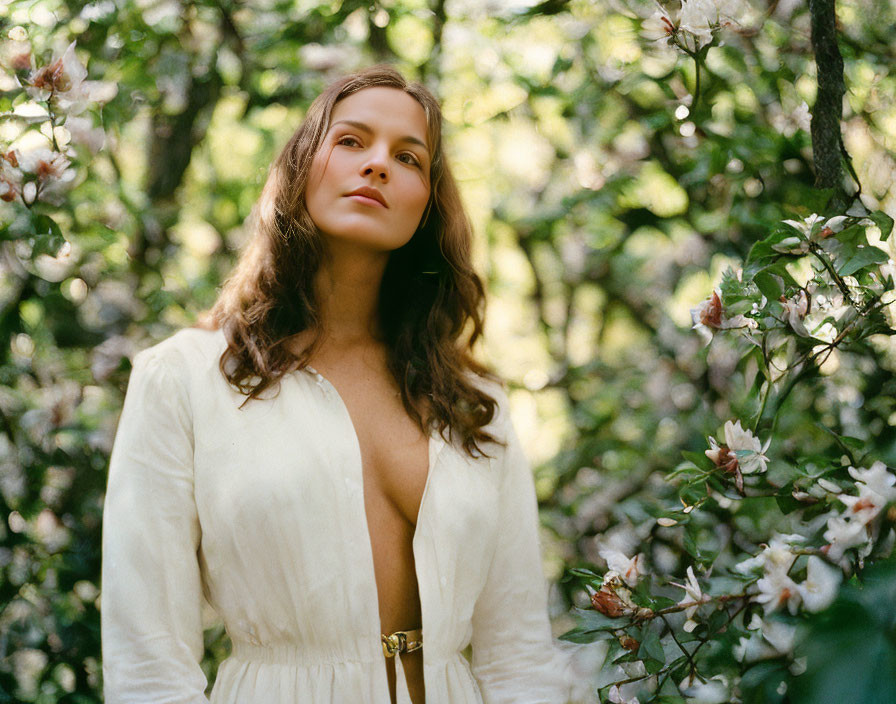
(691, 26)
(770, 639)
(821, 585)
(743, 445)
(713, 691)
(616, 697)
(698, 18)
(46, 164)
(843, 534)
(776, 589)
(877, 478)
(64, 82)
(29, 192)
(816, 228)
(795, 310)
(83, 132)
(743, 441)
(692, 593)
(628, 569)
(659, 26)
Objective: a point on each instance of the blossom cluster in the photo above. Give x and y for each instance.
(860, 524)
(691, 26)
(741, 454)
(793, 575)
(38, 163)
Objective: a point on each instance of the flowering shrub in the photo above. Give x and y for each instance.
(750, 593)
(46, 130)
(769, 536)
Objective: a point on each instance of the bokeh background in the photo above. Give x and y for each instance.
(606, 205)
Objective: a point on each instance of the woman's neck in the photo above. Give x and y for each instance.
(348, 287)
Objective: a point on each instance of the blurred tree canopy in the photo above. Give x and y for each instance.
(611, 181)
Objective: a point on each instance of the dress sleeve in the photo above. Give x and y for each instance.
(515, 660)
(152, 636)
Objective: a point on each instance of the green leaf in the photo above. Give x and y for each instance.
(581, 635)
(863, 257)
(758, 252)
(760, 684)
(772, 286)
(787, 503)
(651, 651)
(884, 222)
(595, 620)
(46, 237)
(582, 572)
(699, 459)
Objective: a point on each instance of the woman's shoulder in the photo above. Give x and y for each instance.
(188, 349)
(494, 387)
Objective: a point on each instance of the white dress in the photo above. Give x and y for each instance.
(261, 510)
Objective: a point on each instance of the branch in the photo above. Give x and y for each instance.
(828, 107)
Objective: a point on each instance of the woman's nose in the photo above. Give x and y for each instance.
(376, 165)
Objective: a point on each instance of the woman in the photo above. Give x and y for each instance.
(324, 462)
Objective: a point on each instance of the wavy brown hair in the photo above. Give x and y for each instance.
(430, 299)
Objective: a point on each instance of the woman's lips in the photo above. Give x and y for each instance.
(365, 200)
(368, 196)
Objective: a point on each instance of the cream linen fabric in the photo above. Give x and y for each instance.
(261, 510)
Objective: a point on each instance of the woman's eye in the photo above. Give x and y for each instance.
(347, 141)
(408, 158)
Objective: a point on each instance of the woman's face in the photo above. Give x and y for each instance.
(369, 181)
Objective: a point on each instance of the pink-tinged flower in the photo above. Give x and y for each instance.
(776, 589)
(816, 228)
(795, 309)
(865, 507)
(659, 27)
(63, 81)
(84, 133)
(15, 53)
(46, 165)
(628, 569)
(710, 315)
(750, 451)
(8, 191)
(822, 582)
(742, 454)
(878, 479)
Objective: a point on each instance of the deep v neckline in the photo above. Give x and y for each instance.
(434, 446)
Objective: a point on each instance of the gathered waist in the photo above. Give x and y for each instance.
(303, 654)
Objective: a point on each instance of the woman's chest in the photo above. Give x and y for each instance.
(291, 468)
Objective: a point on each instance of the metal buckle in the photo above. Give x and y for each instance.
(394, 643)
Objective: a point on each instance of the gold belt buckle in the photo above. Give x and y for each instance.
(402, 642)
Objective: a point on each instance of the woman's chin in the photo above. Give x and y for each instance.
(373, 240)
